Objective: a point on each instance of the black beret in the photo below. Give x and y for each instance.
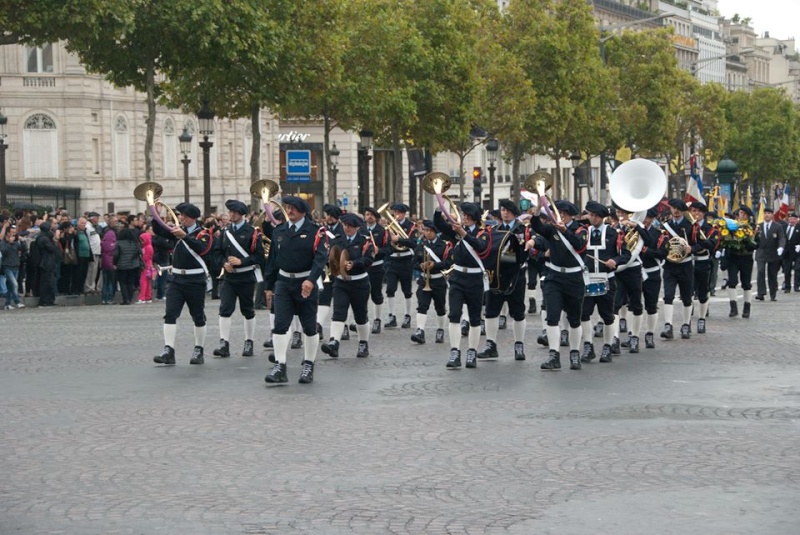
(597, 208)
(471, 209)
(793, 214)
(652, 213)
(400, 207)
(678, 204)
(297, 202)
(277, 213)
(333, 211)
(236, 206)
(351, 220)
(511, 206)
(697, 205)
(568, 207)
(92, 214)
(712, 214)
(746, 210)
(373, 211)
(495, 213)
(768, 209)
(188, 209)
(427, 223)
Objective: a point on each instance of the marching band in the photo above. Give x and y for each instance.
(590, 262)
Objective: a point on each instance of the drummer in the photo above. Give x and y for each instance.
(601, 261)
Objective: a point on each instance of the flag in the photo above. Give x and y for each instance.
(749, 201)
(693, 193)
(735, 202)
(711, 198)
(783, 211)
(760, 218)
(695, 167)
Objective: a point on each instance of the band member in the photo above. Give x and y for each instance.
(707, 241)
(678, 273)
(564, 286)
(188, 285)
(351, 286)
(266, 229)
(296, 262)
(399, 269)
(652, 255)
(467, 282)
(516, 299)
(334, 233)
(602, 259)
(431, 258)
(791, 254)
(243, 257)
(629, 276)
(378, 268)
(739, 264)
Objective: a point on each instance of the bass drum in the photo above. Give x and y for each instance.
(504, 262)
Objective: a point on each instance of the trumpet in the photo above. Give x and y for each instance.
(150, 192)
(427, 288)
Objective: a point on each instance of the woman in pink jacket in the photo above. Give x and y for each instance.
(148, 272)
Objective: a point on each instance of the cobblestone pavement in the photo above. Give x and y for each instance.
(697, 437)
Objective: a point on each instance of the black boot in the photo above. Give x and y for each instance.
(439, 336)
(519, 351)
(376, 326)
(197, 356)
(615, 346)
(605, 354)
(502, 322)
(331, 348)
(746, 310)
(623, 325)
(634, 344)
(224, 349)
(489, 353)
(553, 362)
(406, 322)
(166, 357)
(542, 339)
(319, 331)
(392, 323)
(418, 336)
(649, 341)
(345, 335)
(598, 330)
(531, 305)
(297, 340)
(564, 342)
(734, 310)
(247, 350)
(574, 360)
(701, 326)
(588, 353)
(483, 327)
(268, 343)
(363, 349)
(666, 334)
(278, 374)
(307, 373)
(464, 327)
(353, 327)
(455, 359)
(685, 332)
(472, 359)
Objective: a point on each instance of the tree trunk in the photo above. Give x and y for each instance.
(516, 183)
(331, 189)
(398, 165)
(461, 177)
(255, 151)
(150, 82)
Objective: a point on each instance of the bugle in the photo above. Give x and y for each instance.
(150, 192)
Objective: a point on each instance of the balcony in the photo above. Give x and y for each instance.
(38, 81)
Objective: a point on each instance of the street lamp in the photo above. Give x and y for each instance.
(185, 140)
(206, 119)
(334, 156)
(491, 154)
(363, 167)
(3, 147)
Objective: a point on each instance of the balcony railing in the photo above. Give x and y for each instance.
(39, 81)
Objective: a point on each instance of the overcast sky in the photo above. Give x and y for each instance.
(781, 18)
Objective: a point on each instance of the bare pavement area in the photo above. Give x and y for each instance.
(693, 437)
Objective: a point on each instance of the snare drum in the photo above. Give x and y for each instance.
(596, 286)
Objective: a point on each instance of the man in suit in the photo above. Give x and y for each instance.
(791, 254)
(771, 239)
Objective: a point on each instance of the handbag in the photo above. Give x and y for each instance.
(70, 256)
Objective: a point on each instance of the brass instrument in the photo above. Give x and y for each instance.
(635, 186)
(677, 249)
(337, 262)
(539, 182)
(265, 190)
(265, 241)
(427, 288)
(437, 184)
(693, 221)
(393, 226)
(150, 192)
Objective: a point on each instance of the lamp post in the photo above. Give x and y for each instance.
(334, 156)
(491, 154)
(575, 160)
(3, 147)
(363, 167)
(185, 140)
(206, 119)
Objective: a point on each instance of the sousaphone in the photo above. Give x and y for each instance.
(636, 186)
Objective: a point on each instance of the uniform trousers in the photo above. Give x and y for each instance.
(399, 271)
(702, 279)
(534, 272)
(229, 291)
(515, 300)
(186, 292)
(650, 290)
(466, 289)
(740, 269)
(376, 284)
(789, 266)
(629, 290)
(767, 276)
(678, 276)
(347, 294)
(289, 302)
(438, 295)
(326, 294)
(604, 304)
(563, 292)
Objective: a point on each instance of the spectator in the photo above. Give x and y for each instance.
(49, 260)
(93, 232)
(85, 258)
(148, 272)
(69, 258)
(12, 250)
(126, 261)
(108, 246)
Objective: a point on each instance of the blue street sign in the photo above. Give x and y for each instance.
(344, 200)
(298, 178)
(298, 162)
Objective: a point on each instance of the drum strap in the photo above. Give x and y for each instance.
(599, 247)
(574, 253)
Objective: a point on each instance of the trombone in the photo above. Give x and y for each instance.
(393, 226)
(437, 184)
(150, 192)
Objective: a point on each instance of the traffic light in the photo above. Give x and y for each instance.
(477, 183)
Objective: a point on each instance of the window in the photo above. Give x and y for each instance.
(40, 141)
(122, 148)
(39, 59)
(170, 150)
(95, 156)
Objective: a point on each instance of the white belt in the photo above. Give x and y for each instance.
(377, 263)
(704, 258)
(354, 277)
(560, 269)
(434, 276)
(687, 259)
(298, 275)
(178, 271)
(404, 253)
(464, 269)
(244, 269)
(651, 269)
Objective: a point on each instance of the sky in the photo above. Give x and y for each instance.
(781, 18)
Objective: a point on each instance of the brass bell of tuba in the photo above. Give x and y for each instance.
(636, 186)
(149, 192)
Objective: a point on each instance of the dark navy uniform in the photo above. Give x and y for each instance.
(703, 254)
(679, 274)
(399, 271)
(377, 270)
(653, 256)
(438, 252)
(629, 282)
(739, 264)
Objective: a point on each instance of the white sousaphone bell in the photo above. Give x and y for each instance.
(636, 186)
